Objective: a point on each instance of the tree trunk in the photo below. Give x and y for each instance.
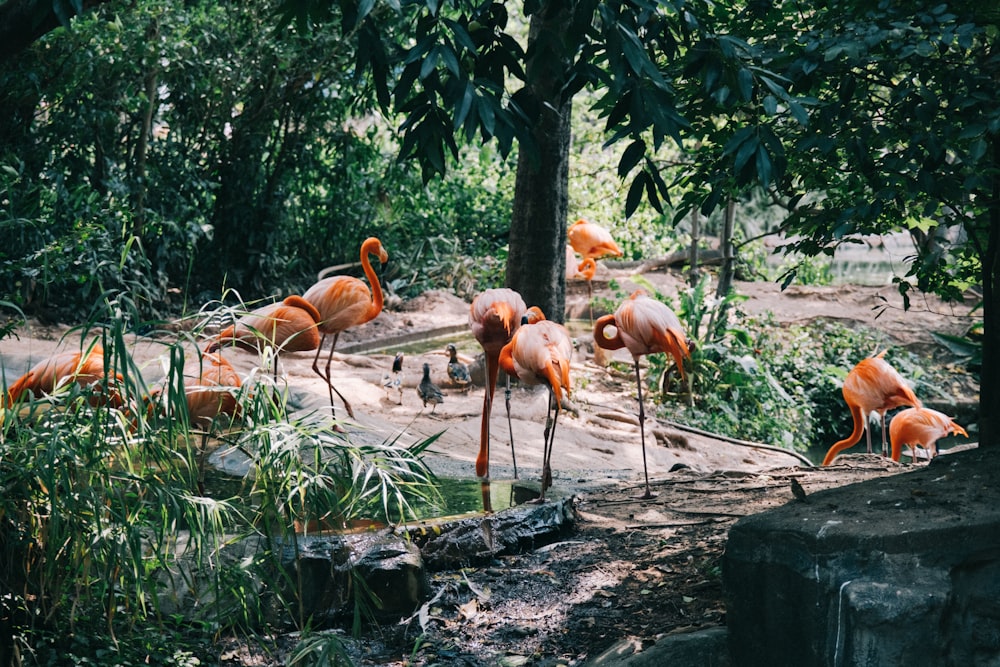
(989, 374)
(694, 268)
(728, 252)
(24, 21)
(536, 265)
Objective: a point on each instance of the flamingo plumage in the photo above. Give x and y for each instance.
(494, 316)
(644, 326)
(540, 353)
(871, 386)
(920, 426)
(288, 326)
(85, 368)
(344, 302)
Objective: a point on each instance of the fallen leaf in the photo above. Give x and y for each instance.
(470, 609)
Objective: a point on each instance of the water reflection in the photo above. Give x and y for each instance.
(465, 496)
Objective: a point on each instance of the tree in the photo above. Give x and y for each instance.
(464, 75)
(904, 134)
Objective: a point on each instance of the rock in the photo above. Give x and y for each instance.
(903, 570)
(702, 648)
(477, 540)
(320, 567)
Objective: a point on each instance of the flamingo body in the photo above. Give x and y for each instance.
(871, 386)
(494, 316)
(85, 369)
(540, 353)
(644, 326)
(920, 426)
(289, 325)
(344, 302)
(592, 241)
(208, 384)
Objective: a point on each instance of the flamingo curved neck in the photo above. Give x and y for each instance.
(372, 247)
(296, 301)
(614, 343)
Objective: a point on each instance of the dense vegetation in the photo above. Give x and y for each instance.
(160, 156)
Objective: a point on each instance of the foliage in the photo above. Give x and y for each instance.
(277, 172)
(103, 514)
(899, 137)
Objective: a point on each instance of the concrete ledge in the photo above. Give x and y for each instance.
(892, 571)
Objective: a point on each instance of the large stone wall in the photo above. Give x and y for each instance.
(903, 570)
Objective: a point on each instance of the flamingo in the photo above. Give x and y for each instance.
(644, 326)
(288, 326)
(872, 386)
(85, 368)
(344, 302)
(429, 392)
(540, 353)
(592, 242)
(920, 426)
(209, 381)
(494, 316)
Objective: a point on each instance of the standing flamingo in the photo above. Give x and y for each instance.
(920, 426)
(288, 326)
(592, 242)
(85, 368)
(344, 302)
(871, 386)
(540, 353)
(644, 326)
(494, 316)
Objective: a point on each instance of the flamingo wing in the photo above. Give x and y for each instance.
(647, 326)
(342, 302)
(592, 240)
(495, 315)
(875, 385)
(208, 382)
(46, 375)
(540, 354)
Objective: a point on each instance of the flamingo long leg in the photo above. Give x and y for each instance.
(510, 428)
(642, 430)
(549, 437)
(326, 376)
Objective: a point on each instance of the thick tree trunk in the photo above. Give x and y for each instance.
(989, 375)
(536, 265)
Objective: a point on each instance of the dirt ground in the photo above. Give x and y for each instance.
(633, 570)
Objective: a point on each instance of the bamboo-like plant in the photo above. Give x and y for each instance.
(100, 515)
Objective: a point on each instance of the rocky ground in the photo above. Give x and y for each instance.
(632, 570)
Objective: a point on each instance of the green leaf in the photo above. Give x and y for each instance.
(630, 157)
(634, 197)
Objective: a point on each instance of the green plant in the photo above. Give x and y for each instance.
(101, 517)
